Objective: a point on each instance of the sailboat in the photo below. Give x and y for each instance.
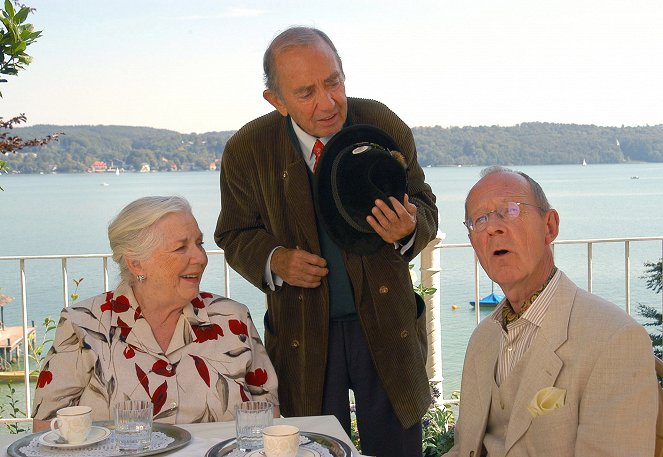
(584, 163)
(117, 172)
(491, 299)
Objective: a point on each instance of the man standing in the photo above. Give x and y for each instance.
(554, 370)
(336, 320)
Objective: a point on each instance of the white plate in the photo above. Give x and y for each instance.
(96, 434)
(313, 445)
(302, 452)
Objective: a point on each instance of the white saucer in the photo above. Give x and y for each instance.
(302, 452)
(96, 434)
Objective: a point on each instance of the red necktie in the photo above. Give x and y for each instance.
(317, 152)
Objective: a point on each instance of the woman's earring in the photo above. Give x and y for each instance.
(140, 278)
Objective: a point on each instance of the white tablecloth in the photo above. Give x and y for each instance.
(204, 436)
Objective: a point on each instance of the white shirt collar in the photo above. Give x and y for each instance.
(306, 143)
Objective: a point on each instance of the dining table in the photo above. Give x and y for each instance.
(204, 436)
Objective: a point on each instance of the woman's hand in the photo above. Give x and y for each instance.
(40, 425)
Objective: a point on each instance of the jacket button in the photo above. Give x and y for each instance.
(404, 334)
(300, 297)
(285, 174)
(383, 289)
(294, 344)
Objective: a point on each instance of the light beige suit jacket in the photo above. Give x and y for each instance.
(590, 348)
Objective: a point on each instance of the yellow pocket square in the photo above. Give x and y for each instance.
(546, 400)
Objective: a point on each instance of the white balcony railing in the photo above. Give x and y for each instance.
(431, 266)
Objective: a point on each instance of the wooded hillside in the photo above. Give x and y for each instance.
(525, 144)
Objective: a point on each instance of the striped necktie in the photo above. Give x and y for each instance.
(317, 152)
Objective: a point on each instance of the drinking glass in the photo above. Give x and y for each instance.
(250, 418)
(133, 424)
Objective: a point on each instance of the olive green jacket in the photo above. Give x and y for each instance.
(266, 201)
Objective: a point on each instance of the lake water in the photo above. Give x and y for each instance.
(68, 214)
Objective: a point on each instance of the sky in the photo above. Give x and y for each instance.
(196, 65)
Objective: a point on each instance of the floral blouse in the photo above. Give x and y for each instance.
(105, 352)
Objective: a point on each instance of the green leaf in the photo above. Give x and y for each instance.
(22, 15)
(9, 8)
(19, 46)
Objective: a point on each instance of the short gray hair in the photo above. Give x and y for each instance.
(292, 37)
(540, 198)
(131, 233)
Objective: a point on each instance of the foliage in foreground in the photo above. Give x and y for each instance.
(439, 426)
(15, 37)
(654, 282)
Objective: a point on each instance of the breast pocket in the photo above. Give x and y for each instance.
(554, 433)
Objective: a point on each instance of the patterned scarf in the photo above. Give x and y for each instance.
(509, 315)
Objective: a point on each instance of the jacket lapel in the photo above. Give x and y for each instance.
(484, 366)
(298, 193)
(544, 365)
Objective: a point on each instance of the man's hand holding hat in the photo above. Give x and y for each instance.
(395, 224)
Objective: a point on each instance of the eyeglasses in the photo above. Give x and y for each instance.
(509, 212)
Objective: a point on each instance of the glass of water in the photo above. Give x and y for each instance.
(133, 424)
(250, 418)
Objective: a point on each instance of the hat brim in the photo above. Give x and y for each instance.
(348, 185)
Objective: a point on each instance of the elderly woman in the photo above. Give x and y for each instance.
(156, 337)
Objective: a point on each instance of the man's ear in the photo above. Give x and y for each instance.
(275, 101)
(552, 225)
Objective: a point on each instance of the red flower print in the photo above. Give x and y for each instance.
(256, 378)
(124, 328)
(142, 378)
(201, 366)
(198, 303)
(129, 352)
(118, 305)
(106, 306)
(238, 327)
(45, 377)
(159, 398)
(241, 392)
(163, 368)
(207, 332)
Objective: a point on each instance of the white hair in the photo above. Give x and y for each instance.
(131, 233)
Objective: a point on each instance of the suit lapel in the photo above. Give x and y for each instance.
(544, 365)
(300, 202)
(485, 366)
(298, 193)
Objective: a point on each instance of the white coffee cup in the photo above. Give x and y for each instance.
(73, 423)
(280, 441)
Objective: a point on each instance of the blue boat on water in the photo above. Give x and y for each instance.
(489, 300)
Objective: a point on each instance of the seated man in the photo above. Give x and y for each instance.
(554, 370)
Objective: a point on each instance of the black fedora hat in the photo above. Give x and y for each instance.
(359, 164)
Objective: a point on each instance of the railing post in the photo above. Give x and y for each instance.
(65, 282)
(477, 298)
(26, 358)
(627, 274)
(106, 288)
(589, 267)
(226, 276)
(430, 277)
